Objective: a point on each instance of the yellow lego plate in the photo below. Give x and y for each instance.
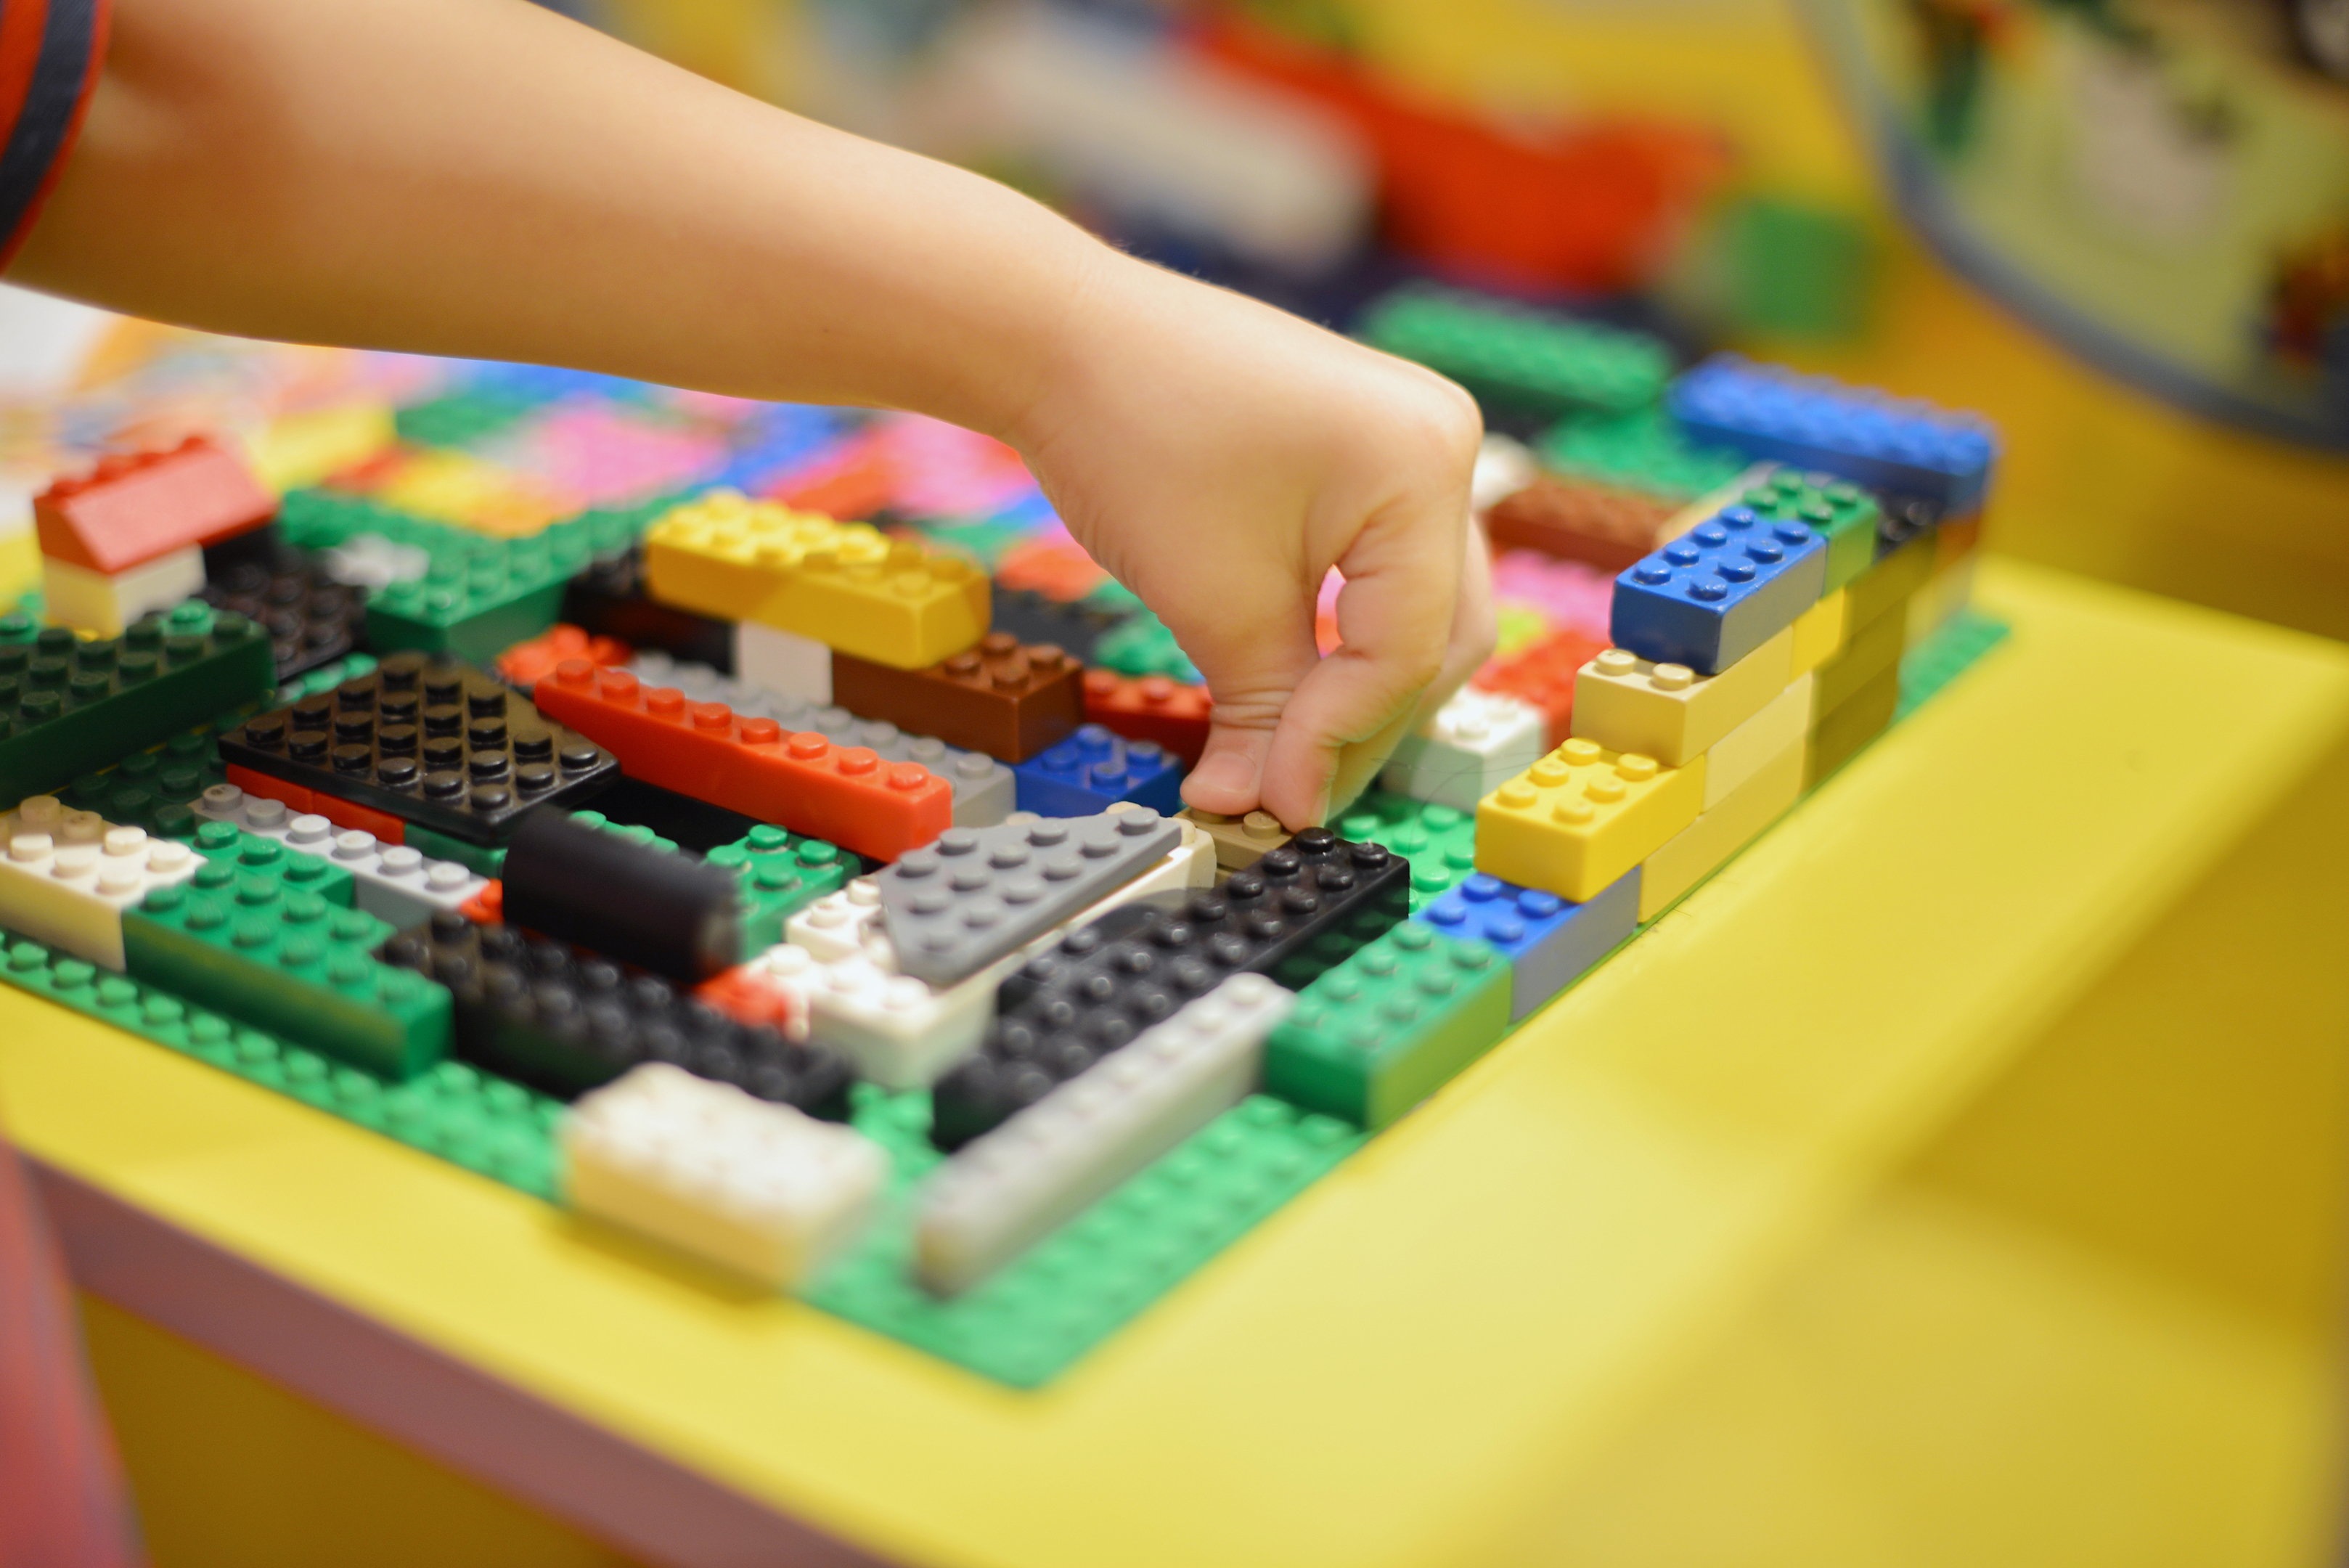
(1407, 1364)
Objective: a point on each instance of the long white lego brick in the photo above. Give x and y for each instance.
(1720, 831)
(899, 1032)
(1006, 1191)
(67, 876)
(1670, 712)
(1476, 742)
(389, 881)
(1746, 750)
(761, 1189)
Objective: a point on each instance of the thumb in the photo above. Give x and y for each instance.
(1252, 648)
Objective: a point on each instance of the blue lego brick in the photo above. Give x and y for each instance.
(1719, 591)
(1092, 770)
(1903, 447)
(1549, 943)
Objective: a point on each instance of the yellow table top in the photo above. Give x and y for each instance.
(1401, 1364)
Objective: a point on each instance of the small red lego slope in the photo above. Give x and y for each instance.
(1150, 708)
(746, 996)
(842, 794)
(488, 907)
(136, 506)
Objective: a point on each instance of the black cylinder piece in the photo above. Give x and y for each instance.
(633, 903)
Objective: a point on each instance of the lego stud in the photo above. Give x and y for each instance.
(1616, 661)
(1672, 678)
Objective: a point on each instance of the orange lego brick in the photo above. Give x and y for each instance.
(526, 663)
(842, 794)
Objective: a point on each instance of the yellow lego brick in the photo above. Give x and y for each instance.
(451, 487)
(1670, 712)
(1582, 817)
(302, 449)
(841, 584)
(1818, 633)
(1873, 650)
(20, 565)
(727, 555)
(1720, 831)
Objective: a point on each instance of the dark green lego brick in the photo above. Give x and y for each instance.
(461, 419)
(325, 678)
(1640, 451)
(253, 935)
(1389, 1027)
(781, 873)
(485, 859)
(1517, 357)
(501, 1130)
(1842, 512)
(68, 707)
(1944, 656)
(1097, 1272)
(1142, 645)
(1440, 841)
(23, 623)
(481, 597)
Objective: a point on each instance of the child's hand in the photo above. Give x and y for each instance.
(1219, 457)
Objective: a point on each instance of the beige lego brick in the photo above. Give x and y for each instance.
(1667, 711)
(1720, 831)
(1240, 841)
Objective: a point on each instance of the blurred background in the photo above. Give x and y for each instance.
(2118, 228)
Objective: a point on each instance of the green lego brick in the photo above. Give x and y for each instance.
(1440, 841)
(486, 859)
(322, 519)
(780, 874)
(248, 853)
(501, 1130)
(325, 678)
(1142, 645)
(1843, 512)
(481, 597)
(1944, 656)
(1080, 1284)
(253, 935)
(1389, 1027)
(1797, 269)
(1514, 356)
(68, 707)
(461, 419)
(23, 623)
(1638, 451)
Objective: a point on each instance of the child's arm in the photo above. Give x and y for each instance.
(478, 177)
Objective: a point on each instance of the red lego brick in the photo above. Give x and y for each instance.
(742, 994)
(1151, 708)
(853, 483)
(488, 907)
(525, 664)
(1543, 675)
(387, 828)
(1009, 699)
(1577, 521)
(842, 794)
(133, 507)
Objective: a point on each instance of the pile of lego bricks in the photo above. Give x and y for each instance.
(564, 789)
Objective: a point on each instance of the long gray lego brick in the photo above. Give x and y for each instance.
(977, 894)
(983, 788)
(389, 881)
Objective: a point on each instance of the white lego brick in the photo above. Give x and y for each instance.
(372, 561)
(1670, 712)
(1744, 751)
(761, 1189)
(1503, 467)
(92, 601)
(1721, 830)
(782, 661)
(897, 1031)
(389, 881)
(68, 876)
(845, 923)
(1476, 743)
(1006, 1191)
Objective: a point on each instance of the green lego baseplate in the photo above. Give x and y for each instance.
(1515, 357)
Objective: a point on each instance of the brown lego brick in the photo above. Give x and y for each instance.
(133, 507)
(1151, 708)
(1005, 698)
(1240, 841)
(1577, 520)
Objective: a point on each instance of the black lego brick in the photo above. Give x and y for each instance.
(1301, 909)
(533, 1011)
(648, 908)
(440, 743)
(312, 619)
(608, 599)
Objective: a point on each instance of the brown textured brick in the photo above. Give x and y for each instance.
(1005, 698)
(1608, 528)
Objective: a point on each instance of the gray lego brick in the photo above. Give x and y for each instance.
(978, 894)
